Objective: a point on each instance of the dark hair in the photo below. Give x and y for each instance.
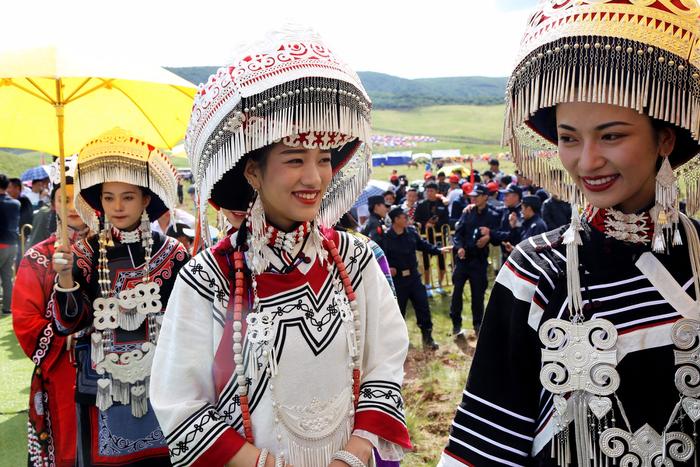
(389, 192)
(16, 182)
(430, 185)
(506, 180)
(4, 182)
(69, 181)
(229, 192)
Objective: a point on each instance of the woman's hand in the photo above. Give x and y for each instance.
(357, 446)
(62, 263)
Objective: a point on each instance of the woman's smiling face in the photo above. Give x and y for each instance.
(611, 153)
(291, 183)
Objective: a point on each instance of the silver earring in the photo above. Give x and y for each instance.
(665, 210)
(258, 237)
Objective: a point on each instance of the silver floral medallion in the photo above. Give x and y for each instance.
(645, 447)
(579, 357)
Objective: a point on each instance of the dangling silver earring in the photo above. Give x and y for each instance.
(665, 210)
(258, 236)
(145, 229)
(108, 233)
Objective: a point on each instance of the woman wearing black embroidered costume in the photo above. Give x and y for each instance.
(585, 354)
(112, 290)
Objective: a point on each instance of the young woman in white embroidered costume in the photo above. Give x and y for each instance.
(592, 327)
(111, 289)
(283, 344)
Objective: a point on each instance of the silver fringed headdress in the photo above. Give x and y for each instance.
(286, 85)
(117, 156)
(635, 53)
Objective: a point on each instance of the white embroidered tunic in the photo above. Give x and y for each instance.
(308, 412)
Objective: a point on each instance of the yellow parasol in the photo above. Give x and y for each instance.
(54, 100)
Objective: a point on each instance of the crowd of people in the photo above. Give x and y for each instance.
(283, 342)
(465, 213)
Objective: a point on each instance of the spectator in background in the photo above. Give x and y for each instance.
(182, 233)
(532, 221)
(180, 190)
(26, 210)
(9, 236)
(410, 204)
(375, 226)
(555, 212)
(503, 235)
(401, 189)
(505, 181)
(542, 194)
(35, 193)
(471, 250)
(495, 169)
(164, 222)
(525, 183)
(460, 204)
(455, 192)
(487, 177)
(431, 215)
(494, 202)
(389, 198)
(44, 222)
(400, 245)
(443, 186)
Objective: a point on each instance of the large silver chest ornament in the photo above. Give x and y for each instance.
(579, 361)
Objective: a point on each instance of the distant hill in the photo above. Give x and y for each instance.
(392, 92)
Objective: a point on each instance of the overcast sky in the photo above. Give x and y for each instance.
(434, 38)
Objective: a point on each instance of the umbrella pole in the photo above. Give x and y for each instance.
(63, 205)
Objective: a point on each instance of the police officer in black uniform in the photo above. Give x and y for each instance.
(471, 252)
(400, 244)
(503, 234)
(532, 220)
(375, 226)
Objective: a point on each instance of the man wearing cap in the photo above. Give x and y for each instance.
(401, 242)
(503, 235)
(375, 226)
(532, 220)
(471, 252)
(432, 214)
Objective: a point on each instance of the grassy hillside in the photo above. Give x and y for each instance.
(474, 129)
(392, 92)
(13, 164)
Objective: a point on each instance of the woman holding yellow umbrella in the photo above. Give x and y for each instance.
(114, 293)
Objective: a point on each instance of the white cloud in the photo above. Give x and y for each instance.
(432, 38)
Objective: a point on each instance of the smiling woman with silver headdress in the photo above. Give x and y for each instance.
(283, 344)
(587, 355)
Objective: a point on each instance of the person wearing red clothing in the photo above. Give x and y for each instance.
(52, 425)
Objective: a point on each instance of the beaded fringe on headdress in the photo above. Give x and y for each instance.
(304, 105)
(604, 70)
(133, 173)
